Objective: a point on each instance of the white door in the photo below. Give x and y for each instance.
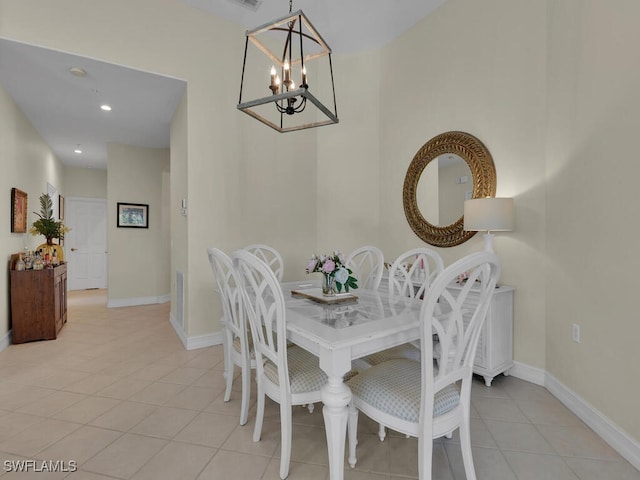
(85, 244)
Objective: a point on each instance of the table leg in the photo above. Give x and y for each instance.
(335, 396)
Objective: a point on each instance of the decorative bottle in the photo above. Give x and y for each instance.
(38, 263)
(20, 263)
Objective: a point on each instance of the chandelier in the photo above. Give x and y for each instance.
(291, 53)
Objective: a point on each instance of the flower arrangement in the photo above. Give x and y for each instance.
(46, 225)
(334, 269)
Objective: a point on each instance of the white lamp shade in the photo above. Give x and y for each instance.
(489, 214)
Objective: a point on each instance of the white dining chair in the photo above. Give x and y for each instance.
(367, 264)
(270, 256)
(237, 345)
(410, 275)
(289, 376)
(413, 271)
(439, 403)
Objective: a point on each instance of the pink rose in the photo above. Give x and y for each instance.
(329, 266)
(312, 265)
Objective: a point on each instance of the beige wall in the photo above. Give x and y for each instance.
(592, 208)
(178, 222)
(138, 262)
(348, 160)
(85, 182)
(488, 79)
(27, 164)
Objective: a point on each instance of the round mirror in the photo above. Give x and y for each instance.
(449, 169)
(444, 185)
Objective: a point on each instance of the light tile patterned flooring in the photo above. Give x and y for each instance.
(118, 394)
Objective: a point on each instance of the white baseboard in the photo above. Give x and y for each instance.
(198, 341)
(5, 341)
(611, 433)
(133, 302)
(202, 341)
(528, 373)
(178, 329)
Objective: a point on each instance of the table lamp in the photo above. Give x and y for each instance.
(489, 214)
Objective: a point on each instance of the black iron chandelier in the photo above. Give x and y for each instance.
(298, 44)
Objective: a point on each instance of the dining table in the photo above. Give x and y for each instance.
(339, 330)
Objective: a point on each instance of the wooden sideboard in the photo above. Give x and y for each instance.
(38, 303)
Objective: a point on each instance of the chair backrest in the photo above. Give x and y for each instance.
(230, 290)
(413, 271)
(367, 264)
(456, 316)
(265, 309)
(270, 256)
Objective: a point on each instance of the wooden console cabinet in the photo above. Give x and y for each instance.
(38, 303)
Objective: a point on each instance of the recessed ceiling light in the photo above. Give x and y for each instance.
(77, 150)
(78, 71)
(105, 107)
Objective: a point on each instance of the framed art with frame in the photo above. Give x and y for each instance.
(133, 215)
(60, 207)
(18, 211)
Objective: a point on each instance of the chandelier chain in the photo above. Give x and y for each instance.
(290, 5)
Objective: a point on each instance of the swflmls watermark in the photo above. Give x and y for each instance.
(40, 466)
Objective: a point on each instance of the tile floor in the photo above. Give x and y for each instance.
(119, 396)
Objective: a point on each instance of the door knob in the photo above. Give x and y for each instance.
(73, 249)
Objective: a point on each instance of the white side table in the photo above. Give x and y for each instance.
(495, 347)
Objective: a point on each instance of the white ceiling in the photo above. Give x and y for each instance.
(346, 25)
(65, 109)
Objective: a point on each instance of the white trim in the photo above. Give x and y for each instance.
(611, 433)
(132, 302)
(178, 329)
(5, 341)
(199, 341)
(528, 373)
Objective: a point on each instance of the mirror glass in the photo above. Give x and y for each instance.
(447, 170)
(444, 185)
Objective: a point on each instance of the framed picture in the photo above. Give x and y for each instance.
(60, 207)
(18, 211)
(133, 215)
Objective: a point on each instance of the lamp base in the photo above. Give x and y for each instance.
(488, 242)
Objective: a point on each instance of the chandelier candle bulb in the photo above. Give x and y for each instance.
(304, 77)
(287, 73)
(273, 77)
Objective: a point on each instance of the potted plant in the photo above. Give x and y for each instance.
(47, 226)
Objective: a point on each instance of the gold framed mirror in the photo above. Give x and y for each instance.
(446, 149)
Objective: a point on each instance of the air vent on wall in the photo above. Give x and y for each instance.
(250, 4)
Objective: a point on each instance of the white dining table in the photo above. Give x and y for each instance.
(340, 333)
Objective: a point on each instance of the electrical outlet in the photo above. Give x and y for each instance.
(576, 333)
